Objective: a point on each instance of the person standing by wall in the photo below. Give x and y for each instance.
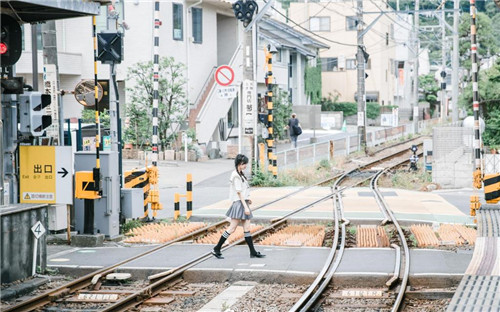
(294, 129)
(239, 212)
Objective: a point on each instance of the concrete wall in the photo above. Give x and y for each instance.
(452, 163)
(18, 240)
(309, 116)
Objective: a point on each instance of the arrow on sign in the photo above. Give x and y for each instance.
(64, 172)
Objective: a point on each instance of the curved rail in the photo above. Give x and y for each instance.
(86, 280)
(384, 206)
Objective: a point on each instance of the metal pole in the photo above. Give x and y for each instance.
(361, 77)
(270, 124)
(156, 60)
(443, 63)
(113, 118)
(475, 93)
(454, 63)
(34, 56)
(415, 67)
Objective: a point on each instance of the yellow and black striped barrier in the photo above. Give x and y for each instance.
(139, 178)
(189, 199)
(492, 188)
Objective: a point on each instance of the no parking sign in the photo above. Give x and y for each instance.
(224, 75)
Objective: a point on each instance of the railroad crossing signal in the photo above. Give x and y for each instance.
(33, 117)
(11, 44)
(244, 9)
(110, 47)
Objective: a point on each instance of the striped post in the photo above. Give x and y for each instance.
(189, 195)
(154, 197)
(156, 59)
(477, 176)
(177, 212)
(269, 100)
(96, 171)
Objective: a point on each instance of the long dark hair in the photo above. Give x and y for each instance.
(240, 159)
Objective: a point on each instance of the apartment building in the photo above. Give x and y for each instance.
(389, 65)
(202, 35)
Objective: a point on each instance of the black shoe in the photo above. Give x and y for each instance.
(217, 255)
(257, 255)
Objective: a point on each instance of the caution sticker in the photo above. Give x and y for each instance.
(38, 196)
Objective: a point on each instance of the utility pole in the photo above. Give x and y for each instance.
(361, 78)
(248, 92)
(455, 64)
(443, 109)
(49, 37)
(415, 67)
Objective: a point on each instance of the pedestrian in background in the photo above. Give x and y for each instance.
(294, 129)
(239, 212)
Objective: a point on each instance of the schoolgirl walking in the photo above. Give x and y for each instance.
(239, 212)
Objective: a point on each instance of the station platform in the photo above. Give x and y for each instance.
(436, 268)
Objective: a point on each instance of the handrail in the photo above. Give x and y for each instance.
(205, 85)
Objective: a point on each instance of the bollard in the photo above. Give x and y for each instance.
(189, 195)
(189, 199)
(139, 178)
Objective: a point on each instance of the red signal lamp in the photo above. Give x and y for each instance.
(3, 48)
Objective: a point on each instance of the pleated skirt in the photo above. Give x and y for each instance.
(237, 211)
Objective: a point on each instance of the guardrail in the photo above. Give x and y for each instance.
(310, 154)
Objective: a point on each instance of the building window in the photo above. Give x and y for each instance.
(329, 64)
(177, 21)
(351, 23)
(350, 64)
(319, 23)
(197, 25)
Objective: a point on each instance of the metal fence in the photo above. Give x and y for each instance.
(312, 153)
(491, 163)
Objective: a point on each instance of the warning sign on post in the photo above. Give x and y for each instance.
(248, 99)
(46, 174)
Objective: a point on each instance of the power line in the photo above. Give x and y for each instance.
(313, 33)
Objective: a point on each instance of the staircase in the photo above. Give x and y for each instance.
(209, 108)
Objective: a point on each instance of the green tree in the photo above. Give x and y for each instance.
(487, 43)
(282, 109)
(172, 104)
(313, 83)
(88, 116)
(430, 88)
(489, 100)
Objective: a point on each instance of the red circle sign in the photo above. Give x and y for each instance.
(224, 75)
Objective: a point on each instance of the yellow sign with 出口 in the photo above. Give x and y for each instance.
(45, 174)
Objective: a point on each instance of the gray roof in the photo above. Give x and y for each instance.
(32, 11)
(282, 35)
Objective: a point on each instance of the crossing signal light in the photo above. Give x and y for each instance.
(34, 118)
(244, 10)
(11, 44)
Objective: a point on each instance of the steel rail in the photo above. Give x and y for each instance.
(314, 292)
(404, 281)
(317, 287)
(156, 287)
(85, 281)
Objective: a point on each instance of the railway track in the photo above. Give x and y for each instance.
(161, 281)
(312, 299)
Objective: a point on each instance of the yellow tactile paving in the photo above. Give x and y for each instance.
(420, 203)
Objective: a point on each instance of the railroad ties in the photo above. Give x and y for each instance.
(479, 289)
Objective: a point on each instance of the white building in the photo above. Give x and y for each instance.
(202, 35)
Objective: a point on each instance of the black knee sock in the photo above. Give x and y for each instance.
(248, 239)
(222, 239)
